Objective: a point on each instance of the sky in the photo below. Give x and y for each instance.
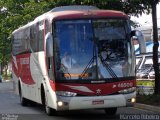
(146, 20)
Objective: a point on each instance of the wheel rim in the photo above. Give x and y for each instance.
(46, 107)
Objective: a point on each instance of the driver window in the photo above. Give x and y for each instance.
(50, 66)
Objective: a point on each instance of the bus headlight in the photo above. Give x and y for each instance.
(133, 100)
(60, 103)
(126, 91)
(66, 93)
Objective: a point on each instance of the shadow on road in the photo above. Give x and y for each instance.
(76, 115)
(68, 115)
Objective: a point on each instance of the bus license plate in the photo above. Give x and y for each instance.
(96, 102)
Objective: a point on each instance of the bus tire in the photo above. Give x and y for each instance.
(23, 101)
(49, 111)
(110, 111)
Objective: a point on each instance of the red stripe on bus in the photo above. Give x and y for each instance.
(24, 71)
(96, 89)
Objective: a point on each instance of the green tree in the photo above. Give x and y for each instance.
(13, 14)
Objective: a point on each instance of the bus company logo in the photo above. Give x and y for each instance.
(24, 61)
(98, 91)
(114, 86)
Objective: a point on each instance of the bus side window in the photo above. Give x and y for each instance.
(47, 26)
(41, 36)
(33, 39)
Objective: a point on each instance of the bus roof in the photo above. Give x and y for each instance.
(70, 12)
(88, 14)
(80, 11)
(73, 7)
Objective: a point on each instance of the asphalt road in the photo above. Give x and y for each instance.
(10, 109)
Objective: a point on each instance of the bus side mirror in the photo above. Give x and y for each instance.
(49, 44)
(142, 44)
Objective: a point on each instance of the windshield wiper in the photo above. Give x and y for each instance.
(87, 67)
(107, 66)
(93, 59)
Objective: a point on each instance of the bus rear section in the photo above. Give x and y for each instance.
(87, 61)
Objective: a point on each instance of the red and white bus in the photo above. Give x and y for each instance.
(75, 57)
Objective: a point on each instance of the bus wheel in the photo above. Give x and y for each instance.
(23, 101)
(49, 111)
(110, 111)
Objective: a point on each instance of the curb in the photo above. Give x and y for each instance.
(3, 81)
(147, 107)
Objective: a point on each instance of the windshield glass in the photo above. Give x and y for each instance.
(92, 49)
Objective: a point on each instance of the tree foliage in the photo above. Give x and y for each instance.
(13, 14)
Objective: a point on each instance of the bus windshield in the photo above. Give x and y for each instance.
(92, 49)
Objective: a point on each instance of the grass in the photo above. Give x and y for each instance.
(149, 99)
(145, 83)
(6, 77)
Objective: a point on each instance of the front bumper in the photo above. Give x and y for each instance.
(109, 101)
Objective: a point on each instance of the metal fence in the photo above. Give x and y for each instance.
(145, 90)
